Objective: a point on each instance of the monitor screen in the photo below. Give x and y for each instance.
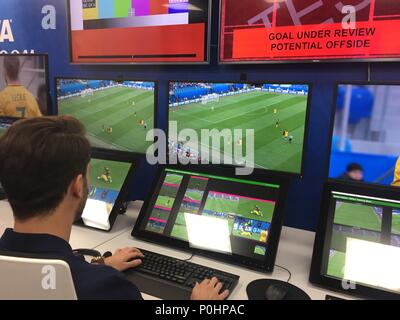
(117, 114)
(223, 214)
(107, 179)
(24, 90)
(260, 124)
(366, 135)
(139, 31)
(307, 30)
(362, 244)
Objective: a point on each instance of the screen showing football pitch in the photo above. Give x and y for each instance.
(106, 181)
(213, 213)
(363, 244)
(117, 115)
(265, 120)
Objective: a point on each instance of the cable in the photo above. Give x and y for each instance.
(287, 270)
(190, 258)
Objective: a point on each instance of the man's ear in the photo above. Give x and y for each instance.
(77, 186)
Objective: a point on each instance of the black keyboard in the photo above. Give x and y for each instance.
(173, 279)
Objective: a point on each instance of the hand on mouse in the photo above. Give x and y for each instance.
(209, 290)
(124, 259)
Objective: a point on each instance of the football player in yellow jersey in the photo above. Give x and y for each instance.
(15, 99)
(396, 182)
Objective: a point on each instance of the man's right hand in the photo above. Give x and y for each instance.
(209, 290)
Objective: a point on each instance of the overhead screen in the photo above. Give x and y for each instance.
(139, 31)
(300, 30)
(117, 114)
(366, 132)
(275, 113)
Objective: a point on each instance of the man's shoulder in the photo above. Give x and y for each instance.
(95, 282)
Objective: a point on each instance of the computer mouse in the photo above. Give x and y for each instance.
(275, 292)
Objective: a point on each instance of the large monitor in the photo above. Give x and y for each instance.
(117, 114)
(366, 133)
(139, 31)
(275, 114)
(256, 31)
(110, 177)
(357, 246)
(24, 88)
(208, 210)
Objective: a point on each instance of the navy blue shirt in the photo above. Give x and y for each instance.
(92, 282)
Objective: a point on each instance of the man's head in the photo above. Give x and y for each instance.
(11, 68)
(43, 165)
(355, 172)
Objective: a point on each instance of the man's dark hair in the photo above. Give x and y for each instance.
(39, 158)
(11, 67)
(353, 167)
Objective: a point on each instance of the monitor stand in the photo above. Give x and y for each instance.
(269, 289)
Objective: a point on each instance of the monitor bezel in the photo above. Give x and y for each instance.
(258, 82)
(155, 109)
(45, 56)
(118, 156)
(265, 266)
(333, 118)
(290, 61)
(323, 228)
(207, 49)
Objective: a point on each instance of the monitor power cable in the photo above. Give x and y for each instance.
(287, 270)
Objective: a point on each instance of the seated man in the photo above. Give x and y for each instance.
(44, 172)
(396, 181)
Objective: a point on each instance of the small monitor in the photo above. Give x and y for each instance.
(139, 31)
(211, 211)
(24, 88)
(260, 125)
(117, 114)
(110, 176)
(366, 134)
(357, 246)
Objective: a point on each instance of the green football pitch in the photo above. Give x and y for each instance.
(113, 108)
(254, 110)
(165, 201)
(118, 172)
(173, 178)
(160, 214)
(359, 216)
(396, 223)
(242, 208)
(336, 264)
(194, 194)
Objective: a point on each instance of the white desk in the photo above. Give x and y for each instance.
(82, 237)
(295, 251)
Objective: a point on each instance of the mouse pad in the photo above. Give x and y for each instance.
(256, 290)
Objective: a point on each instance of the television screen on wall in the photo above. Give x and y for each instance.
(139, 31)
(366, 134)
(263, 125)
(308, 30)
